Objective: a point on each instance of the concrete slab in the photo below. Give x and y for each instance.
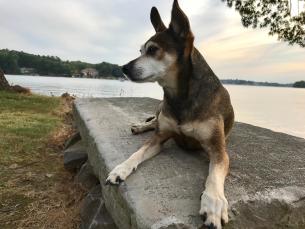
(265, 188)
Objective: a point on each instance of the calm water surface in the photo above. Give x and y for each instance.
(279, 109)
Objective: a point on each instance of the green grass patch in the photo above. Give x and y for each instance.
(35, 189)
(25, 122)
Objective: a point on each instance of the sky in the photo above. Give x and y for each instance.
(113, 31)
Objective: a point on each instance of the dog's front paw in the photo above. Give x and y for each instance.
(214, 210)
(136, 129)
(119, 174)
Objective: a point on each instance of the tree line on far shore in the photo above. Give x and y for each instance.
(13, 62)
(299, 84)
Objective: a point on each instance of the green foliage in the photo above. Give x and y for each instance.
(108, 69)
(299, 84)
(11, 62)
(273, 14)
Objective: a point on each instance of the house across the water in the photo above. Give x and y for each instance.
(27, 71)
(89, 72)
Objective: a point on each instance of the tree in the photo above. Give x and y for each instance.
(272, 14)
(299, 84)
(4, 85)
(11, 61)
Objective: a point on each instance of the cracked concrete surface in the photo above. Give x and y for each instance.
(265, 187)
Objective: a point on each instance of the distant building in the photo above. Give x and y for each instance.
(27, 71)
(89, 72)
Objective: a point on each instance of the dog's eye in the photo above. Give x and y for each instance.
(152, 50)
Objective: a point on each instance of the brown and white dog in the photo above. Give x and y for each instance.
(196, 110)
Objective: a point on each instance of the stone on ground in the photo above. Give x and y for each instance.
(72, 140)
(265, 187)
(75, 156)
(85, 177)
(4, 85)
(94, 214)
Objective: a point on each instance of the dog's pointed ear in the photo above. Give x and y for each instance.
(156, 20)
(179, 24)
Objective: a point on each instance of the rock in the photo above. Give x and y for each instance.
(4, 85)
(93, 213)
(20, 89)
(265, 187)
(169, 223)
(75, 156)
(65, 95)
(86, 177)
(72, 140)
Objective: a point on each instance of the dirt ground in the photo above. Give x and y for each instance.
(35, 189)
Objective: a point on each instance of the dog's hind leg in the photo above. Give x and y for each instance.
(151, 148)
(149, 124)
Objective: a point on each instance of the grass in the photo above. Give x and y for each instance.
(35, 190)
(25, 122)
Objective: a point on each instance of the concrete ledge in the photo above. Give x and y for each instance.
(265, 188)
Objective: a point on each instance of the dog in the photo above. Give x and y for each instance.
(196, 110)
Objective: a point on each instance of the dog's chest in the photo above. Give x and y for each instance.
(199, 130)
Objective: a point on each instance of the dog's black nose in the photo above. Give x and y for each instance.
(125, 69)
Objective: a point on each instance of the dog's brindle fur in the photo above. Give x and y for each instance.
(196, 110)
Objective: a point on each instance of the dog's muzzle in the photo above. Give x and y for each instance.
(128, 71)
(131, 73)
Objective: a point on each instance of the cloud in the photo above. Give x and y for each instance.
(113, 31)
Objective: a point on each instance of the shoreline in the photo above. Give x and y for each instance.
(260, 106)
(223, 81)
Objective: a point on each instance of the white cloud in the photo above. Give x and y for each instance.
(101, 30)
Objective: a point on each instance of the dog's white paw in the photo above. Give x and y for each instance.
(214, 210)
(119, 174)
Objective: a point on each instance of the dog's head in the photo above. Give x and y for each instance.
(161, 54)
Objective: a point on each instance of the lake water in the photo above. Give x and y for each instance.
(279, 109)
